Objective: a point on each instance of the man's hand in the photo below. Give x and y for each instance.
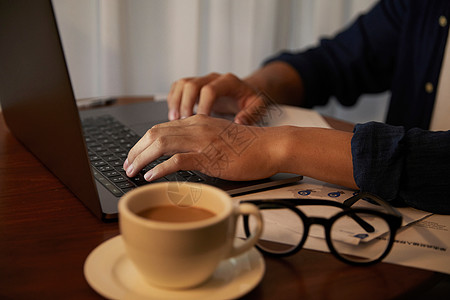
(224, 94)
(215, 147)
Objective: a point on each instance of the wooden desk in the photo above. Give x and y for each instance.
(46, 235)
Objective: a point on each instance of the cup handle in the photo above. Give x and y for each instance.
(248, 209)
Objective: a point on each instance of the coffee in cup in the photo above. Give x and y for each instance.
(176, 233)
(174, 213)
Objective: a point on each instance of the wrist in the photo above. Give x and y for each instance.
(280, 81)
(320, 153)
(280, 148)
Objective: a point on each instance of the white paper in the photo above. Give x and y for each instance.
(295, 116)
(424, 245)
(310, 188)
(279, 115)
(422, 242)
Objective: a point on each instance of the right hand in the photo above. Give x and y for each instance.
(219, 93)
(213, 146)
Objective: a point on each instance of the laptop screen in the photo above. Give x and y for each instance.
(36, 94)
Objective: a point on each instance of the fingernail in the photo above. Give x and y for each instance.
(125, 164)
(130, 170)
(237, 121)
(148, 176)
(173, 115)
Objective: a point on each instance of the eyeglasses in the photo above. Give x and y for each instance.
(358, 236)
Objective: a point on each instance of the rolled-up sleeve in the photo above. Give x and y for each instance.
(403, 166)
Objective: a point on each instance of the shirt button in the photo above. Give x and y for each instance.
(442, 21)
(429, 88)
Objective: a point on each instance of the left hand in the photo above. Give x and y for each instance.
(215, 147)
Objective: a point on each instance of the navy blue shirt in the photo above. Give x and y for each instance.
(398, 46)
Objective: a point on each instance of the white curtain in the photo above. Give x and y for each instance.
(139, 47)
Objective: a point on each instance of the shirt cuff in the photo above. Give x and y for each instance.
(377, 158)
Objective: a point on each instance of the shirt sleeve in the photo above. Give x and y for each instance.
(409, 167)
(358, 60)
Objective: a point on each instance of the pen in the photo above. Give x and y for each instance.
(95, 102)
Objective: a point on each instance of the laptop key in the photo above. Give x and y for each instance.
(111, 173)
(98, 163)
(105, 168)
(175, 177)
(108, 185)
(94, 157)
(196, 178)
(125, 185)
(118, 179)
(117, 163)
(139, 180)
(185, 174)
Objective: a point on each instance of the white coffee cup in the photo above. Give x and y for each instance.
(182, 255)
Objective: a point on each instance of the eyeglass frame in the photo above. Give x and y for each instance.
(392, 217)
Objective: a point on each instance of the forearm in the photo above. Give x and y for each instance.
(323, 154)
(280, 81)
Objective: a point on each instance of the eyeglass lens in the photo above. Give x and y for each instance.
(353, 243)
(350, 240)
(279, 237)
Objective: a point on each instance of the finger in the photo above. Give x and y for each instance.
(155, 147)
(173, 101)
(188, 99)
(191, 93)
(253, 111)
(176, 127)
(174, 98)
(179, 161)
(144, 142)
(150, 136)
(227, 85)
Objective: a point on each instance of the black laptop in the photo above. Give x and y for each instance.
(84, 149)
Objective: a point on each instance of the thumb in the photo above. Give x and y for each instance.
(253, 110)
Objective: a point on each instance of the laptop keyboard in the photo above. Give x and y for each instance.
(108, 142)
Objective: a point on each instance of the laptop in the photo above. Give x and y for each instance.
(40, 110)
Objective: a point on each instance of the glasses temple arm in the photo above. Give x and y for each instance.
(352, 200)
(366, 226)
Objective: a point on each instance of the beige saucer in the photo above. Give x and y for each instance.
(109, 272)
